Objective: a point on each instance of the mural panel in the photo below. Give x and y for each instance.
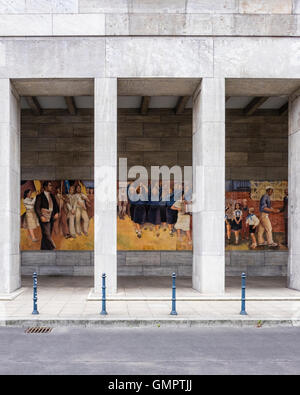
(160, 220)
(57, 215)
(256, 215)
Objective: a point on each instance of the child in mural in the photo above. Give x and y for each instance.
(236, 223)
(183, 219)
(31, 221)
(252, 223)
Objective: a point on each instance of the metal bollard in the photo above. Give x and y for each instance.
(103, 312)
(35, 310)
(173, 312)
(243, 310)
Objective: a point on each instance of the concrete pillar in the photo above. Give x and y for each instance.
(209, 186)
(10, 279)
(105, 250)
(294, 193)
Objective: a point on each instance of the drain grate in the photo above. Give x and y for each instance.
(39, 329)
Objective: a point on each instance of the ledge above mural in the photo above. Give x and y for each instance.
(57, 215)
(256, 215)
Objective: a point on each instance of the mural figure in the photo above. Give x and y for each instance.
(31, 221)
(183, 218)
(236, 223)
(252, 222)
(81, 215)
(61, 225)
(47, 211)
(245, 228)
(265, 225)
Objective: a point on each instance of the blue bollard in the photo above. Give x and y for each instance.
(243, 310)
(103, 312)
(173, 312)
(35, 310)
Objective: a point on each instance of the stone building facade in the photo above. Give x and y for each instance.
(210, 50)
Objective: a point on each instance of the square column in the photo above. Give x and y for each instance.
(105, 250)
(209, 186)
(10, 277)
(294, 194)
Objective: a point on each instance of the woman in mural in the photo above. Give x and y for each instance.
(139, 207)
(183, 219)
(236, 224)
(171, 214)
(227, 224)
(154, 208)
(31, 221)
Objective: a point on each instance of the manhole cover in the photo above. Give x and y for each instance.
(39, 329)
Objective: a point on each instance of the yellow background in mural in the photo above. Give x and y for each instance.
(127, 239)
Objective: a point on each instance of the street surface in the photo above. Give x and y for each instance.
(176, 351)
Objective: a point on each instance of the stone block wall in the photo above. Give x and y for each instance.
(149, 18)
(56, 145)
(256, 146)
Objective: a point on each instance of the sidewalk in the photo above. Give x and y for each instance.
(146, 301)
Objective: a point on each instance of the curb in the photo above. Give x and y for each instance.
(141, 323)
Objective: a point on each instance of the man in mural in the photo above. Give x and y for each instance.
(71, 206)
(61, 225)
(81, 212)
(47, 211)
(265, 224)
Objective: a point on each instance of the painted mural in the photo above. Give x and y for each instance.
(57, 215)
(256, 215)
(161, 219)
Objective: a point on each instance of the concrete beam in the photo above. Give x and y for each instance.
(284, 109)
(34, 104)
(180, 106)
(157, 86)
(54, 86)
(145, 105)
(261, 86)
(254, 105)
(70, 102)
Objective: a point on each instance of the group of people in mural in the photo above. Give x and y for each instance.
(243, 221)
(66, 209)
(157, 206)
